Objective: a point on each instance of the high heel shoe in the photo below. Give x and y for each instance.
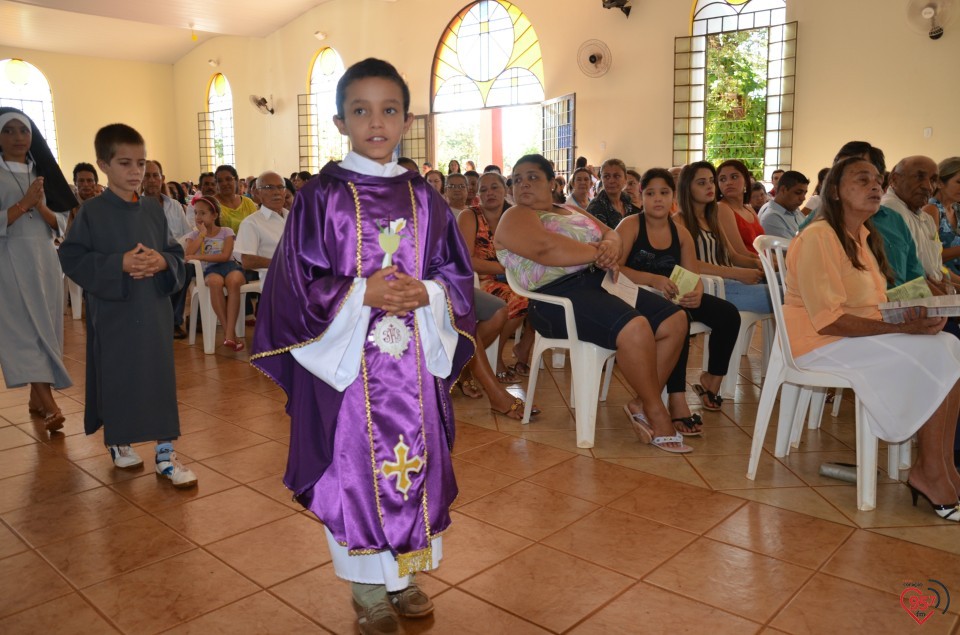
(946, 512)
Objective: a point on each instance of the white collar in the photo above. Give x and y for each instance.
(363, 165)
(19, 168)
(266, 212)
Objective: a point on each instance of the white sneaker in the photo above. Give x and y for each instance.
(179, 475)
(124, 456)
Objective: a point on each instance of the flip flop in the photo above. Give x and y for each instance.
(507, 377)
(710, 400)
(470, 389)
(516, 408)
(663, 444)
(521, 369)
(689, 426)
(640, 425)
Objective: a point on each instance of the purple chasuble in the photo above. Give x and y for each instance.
(372, 462)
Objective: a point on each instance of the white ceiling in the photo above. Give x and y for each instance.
(141, 30)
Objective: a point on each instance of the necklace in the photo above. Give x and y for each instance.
(16, 179)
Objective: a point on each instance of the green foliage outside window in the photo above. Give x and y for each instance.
(736, 97)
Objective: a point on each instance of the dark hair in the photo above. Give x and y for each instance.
(450, 167)
(159, 165)
(205, 175)
(616, 163)
(455, 174)
(685, 203)
(472, 173)
(636, 175)
(85, 167)
(227, 168)
(831, 211)
(493, 168)
(212, 202)
(409, 164)
(580, 163)
(370, 67)
(109, 137)
(821, 175)
(304, 176)
(759, 187)
(657, 173)
(792, 178)
(778, 170)
(742, 169)
(540, 161)
(581, 171)
(181, 196)
(860, 148)
(443, 179)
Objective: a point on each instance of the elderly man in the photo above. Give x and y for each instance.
(153, 181)
(260, 232)
(781, 216)
(178, 227)
(912, 183)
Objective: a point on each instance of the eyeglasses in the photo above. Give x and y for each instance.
(270, 188)
(456, 187)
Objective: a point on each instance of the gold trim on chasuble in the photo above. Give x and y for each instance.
(421, 559)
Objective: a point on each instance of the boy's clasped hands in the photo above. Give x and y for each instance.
(397, 295)
(143, 262)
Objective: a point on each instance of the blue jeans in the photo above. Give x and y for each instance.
(754, 298)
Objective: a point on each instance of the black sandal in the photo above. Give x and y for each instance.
(709, 400)
(691, 426)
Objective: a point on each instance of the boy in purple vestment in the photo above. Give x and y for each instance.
(366, 320)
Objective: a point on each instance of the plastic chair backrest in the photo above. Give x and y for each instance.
(551, 299)
(771, 248)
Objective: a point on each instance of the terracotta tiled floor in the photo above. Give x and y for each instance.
(548, 537)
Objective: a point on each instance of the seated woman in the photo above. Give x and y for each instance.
(491, 316)
(943, 207)
(558, 251)
(478, 226)
(904, 374)
(580, 183)
(612, 204)
(653, 244)
(696, 196)
(738, 221)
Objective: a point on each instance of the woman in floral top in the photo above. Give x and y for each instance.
(558, 251)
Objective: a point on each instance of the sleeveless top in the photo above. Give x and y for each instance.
(706, 244)
(645, 257)
(948, 235)
(532, 275)
(748, 231)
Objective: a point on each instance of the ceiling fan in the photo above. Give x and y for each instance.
(930, 16)
(261, 104)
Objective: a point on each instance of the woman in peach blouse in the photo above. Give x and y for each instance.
(906, 375)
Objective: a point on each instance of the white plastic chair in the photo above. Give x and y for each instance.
(76, 297)
(748, 323)
(586, 365)
(201, 306)
(797, 393)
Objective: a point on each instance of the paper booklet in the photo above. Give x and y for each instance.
(624, 288)
(916, 288)
(937, 306)
(685, 280)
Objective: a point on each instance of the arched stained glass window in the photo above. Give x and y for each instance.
(488, 56)
(216, 125)
(324, 141)
(24, 87)
(718, 16)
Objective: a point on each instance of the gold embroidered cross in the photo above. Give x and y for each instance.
(401, 468)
